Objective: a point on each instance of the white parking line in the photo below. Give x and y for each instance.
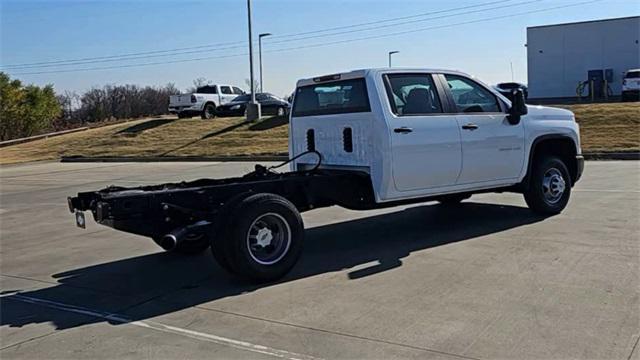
(607, 190)
(238, 344)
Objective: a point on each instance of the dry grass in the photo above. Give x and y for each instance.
(185, 137)
(608, 127)
(604, 127)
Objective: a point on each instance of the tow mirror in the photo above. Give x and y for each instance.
(518, 107)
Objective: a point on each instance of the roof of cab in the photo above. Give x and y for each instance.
(354, 74)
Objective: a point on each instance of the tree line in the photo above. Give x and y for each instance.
(27, 110)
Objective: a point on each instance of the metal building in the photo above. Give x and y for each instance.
(595, 53)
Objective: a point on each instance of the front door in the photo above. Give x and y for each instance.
(492, 148)
(226, 94)
(426, 151)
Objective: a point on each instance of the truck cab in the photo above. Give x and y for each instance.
(423, 132)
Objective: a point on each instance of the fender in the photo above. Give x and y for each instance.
(524, 184)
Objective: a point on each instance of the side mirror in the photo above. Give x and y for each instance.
(518, 107)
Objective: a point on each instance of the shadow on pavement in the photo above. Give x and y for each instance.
(206, 136)
(270, 123)
(385, 239)
(137, 129)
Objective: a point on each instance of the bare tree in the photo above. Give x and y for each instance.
(201, 81)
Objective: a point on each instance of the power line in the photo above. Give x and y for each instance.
(327, 43)
(16, 67)
(236, 44)
(407, 22)
(391, 19)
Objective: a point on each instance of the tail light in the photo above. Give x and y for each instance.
(193, 98)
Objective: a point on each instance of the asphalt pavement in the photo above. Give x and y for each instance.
(485, 280)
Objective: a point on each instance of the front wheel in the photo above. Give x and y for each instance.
(264, 238)
(549, 186)
(281, 111)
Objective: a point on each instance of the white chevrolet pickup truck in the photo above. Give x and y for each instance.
(362, 140)
(204, 101)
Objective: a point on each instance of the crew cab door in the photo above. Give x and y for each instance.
(226, 94)
(492, 148)
(425, 142)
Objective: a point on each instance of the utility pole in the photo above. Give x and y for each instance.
(391, 53)
(260, 55)
(253, 108)
(511, 62)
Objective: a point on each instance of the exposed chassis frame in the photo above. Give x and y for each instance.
(155, 210)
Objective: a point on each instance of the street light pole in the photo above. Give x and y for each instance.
(253, 108)
(391, 53)
(260, 55)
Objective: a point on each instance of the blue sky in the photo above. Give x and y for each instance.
(44, 31)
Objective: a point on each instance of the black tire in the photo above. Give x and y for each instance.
(193, 244)
(182, 116)
(450, 200)
(209, 111)
(241, 247)
(549, 186)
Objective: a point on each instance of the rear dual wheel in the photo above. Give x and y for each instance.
(262, 240)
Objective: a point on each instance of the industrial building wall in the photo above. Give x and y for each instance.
(559, 56)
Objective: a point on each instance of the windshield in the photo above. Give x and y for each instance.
(632, 75)
(245, 98)
(338, 97)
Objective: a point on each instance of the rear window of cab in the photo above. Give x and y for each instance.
(336, 97)
(632, 75)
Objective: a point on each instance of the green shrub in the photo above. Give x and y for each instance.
(25, 110)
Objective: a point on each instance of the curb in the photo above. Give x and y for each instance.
(42, 136)
(278, 157)
(612, 156)
(281, 157)
(239, 158)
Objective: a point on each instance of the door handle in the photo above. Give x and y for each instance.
(402, 130)
(470, 127)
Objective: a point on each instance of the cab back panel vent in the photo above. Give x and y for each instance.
(311, 140)
(347, 139)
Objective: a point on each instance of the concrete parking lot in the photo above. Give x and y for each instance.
(485, 280)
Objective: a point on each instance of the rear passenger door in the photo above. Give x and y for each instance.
(492, 148)
(425, 141)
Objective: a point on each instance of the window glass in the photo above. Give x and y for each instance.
(632, 75)
(225, 90)
(337, 97)
(471, 97)
(246, 97)
(413, 94)
(206, 90)
(237, 91)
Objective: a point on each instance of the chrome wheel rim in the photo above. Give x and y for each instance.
(553, 186)
(268, 238)
(280, 111)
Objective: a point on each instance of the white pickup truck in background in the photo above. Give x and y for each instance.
(204, 101)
